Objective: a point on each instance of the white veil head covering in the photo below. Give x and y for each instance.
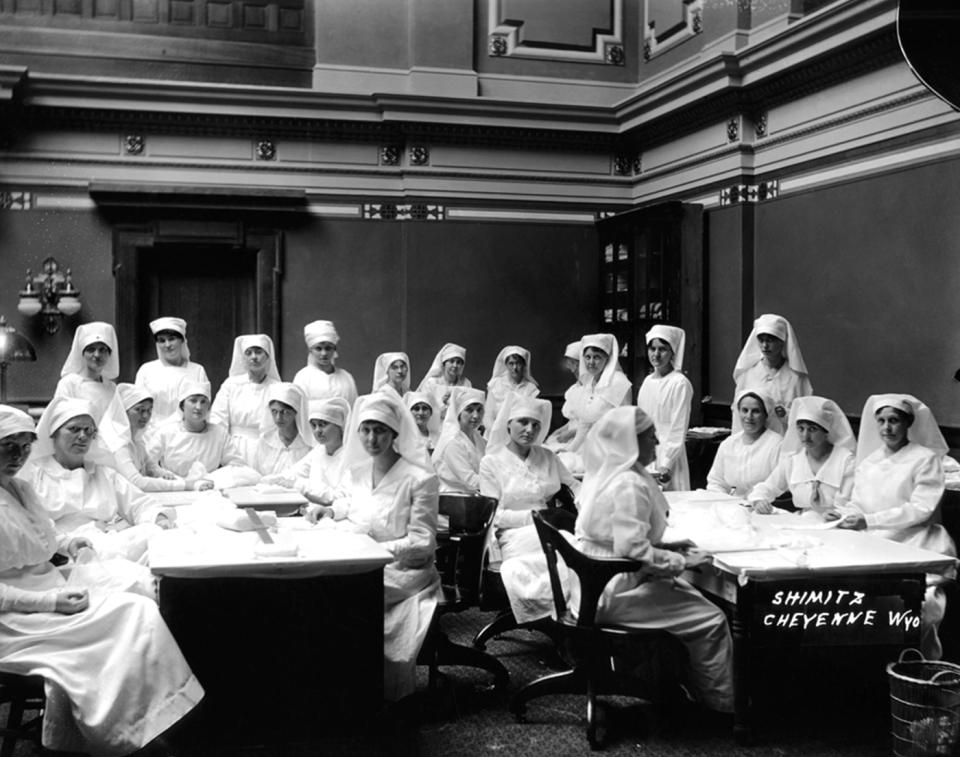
(611, 449)
(519, 407)
(15, 421)
(56, 414)
(178, 326)
(320, 331)
(460, 397)
(433, 423)
(238, 365)
(114, 428)
(500, 364)
(85, 335)
(573, 350)
(190, 388)
(449, 350)
(764, 398)
(384, 361)
(293, 396)
(386, 407)
(923, 431)
(132, 394)
(335, 410)
(775, 325)
(607, 343)
(826, 414)
(672, 335)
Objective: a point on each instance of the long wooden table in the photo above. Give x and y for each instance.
(282, 645)
(788, 582)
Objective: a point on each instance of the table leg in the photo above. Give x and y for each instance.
(742, 674)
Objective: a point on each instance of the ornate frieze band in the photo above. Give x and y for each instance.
(414, 211)
(746, 193)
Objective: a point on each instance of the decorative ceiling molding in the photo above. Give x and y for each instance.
(691, 24)
(508, 39)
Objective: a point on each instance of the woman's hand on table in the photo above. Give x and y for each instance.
(683, 546)
(200, 484)
(313, 512)
(761, 506)
(696, 558)
(856, 521)
(71, 601)
(278, 479)
(76, 544)
(167, 475)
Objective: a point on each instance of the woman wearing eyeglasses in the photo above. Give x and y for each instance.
(82, 496)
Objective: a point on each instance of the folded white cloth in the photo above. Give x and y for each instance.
(238, 520)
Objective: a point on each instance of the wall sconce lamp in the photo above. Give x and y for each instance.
(14, 348)
(51, 294)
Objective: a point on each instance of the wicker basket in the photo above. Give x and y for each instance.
(924, 706)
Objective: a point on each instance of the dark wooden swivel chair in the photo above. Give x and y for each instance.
(591, 643)
(22, 694)
(460, 557)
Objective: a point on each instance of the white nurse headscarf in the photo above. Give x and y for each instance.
(85, 335)
(500, 364)
(826, 414)
(777, 326)
(57, 414)
(449, 350)
(292, 396)
(176, 325)
(772, 420)
(434, 421)
(320, 331)
(607, 343)
(515, 407)
(386, 407)
(380, 377)
(460, 397)
(672, 335)
(573, 350)
(238, 365)
(923, 431)
(15, 421)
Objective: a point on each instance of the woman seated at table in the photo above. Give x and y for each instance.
(197, 449)
(90, 368)
(897, 489)
(461, 447)
(665, 395)
(162, 377)
(604, 386)
(511, 375)
(290, 438)
(624, 514)
(427, 416)
(771, 361)
(114, 677)
(130, 452)
(241, 403)
(816, 460)
(393, 369)
(446, 372)
(565, 433)
(80, 493)
(392, 496)
(320, 378)
(521, 474)
(748, 456)
(319, 475)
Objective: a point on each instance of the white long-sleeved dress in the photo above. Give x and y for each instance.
(318, 385)
(318, 475)
(400, 513)
(241, 407)
(833, 483)
(273, 456)
(134, 464)
(213, 451)
(98, 393)
(458, 464)
(163, 382)
(782, 385)
(114, 676)
(590, 403)
(666, 399)
(740, 465)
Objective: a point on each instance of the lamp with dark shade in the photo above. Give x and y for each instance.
(14, 348)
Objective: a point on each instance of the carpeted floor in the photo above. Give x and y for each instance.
(806, 707)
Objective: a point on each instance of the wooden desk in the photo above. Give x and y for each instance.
(281, 645)
(786, 587)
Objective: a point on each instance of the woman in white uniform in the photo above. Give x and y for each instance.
(748, 456)
(427, 416)
(241, 403)
(319, 475)
(511, 376)
(565, 433)
(290, 438)
(197, 449)
(445, 373)
(320, 378)
(665, 395)
(520, 474)
(80, 493)
(624, 514)
(162, 377)
(816, 460)
(461, 447)
(771, 362)
(604, 386)
(392, 496)
(90, 368)
(114, 677)
(393, 369)
(897, 489)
